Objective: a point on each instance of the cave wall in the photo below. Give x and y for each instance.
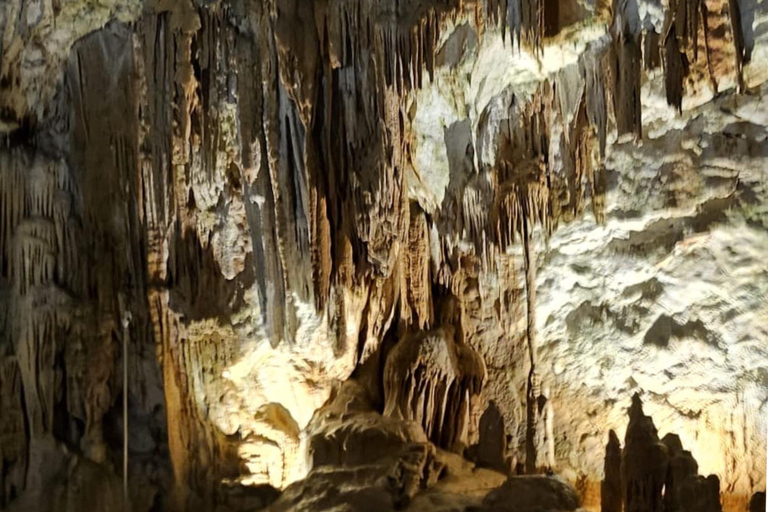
(261, 198)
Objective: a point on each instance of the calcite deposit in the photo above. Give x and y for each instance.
(654, 474)
(383, 255)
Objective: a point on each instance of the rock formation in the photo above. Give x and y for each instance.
(611, 496)
(431, 379)
(644, 463)
(491, 448)
(531, 493)
(682, 466)
(655, 475)
(757, 502)
(259, 247)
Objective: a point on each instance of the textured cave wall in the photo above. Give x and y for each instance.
(268, 198)
(668, 300)
(74, 289)
(650, 299)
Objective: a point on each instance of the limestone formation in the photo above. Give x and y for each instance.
(682, 466)
(644, 463)
(360, 459)
(698, 493)
(430, 378)
(348, 431)
(357, 237)
(530, 494)
(491, 448)
(655, 475)
(757, 502)
(611, 497)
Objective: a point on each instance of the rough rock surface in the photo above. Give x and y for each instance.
(532, 494)
(236, 206)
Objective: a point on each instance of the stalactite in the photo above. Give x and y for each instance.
(13, 438)
(524, 20)
(595, 97)
(307, 132)
(496, 11)
(734, 13)
(532, 23)
(626, 68)
(686, 16)
(36, 351)
(585, 178)
(651, 49)
(13, 199)
(702, 39)
(675, 66)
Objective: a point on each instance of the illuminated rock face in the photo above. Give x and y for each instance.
(272, 204)
(664, 302)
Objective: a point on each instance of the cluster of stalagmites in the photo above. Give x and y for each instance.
(654, 475)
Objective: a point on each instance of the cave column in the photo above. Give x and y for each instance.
(533, 384)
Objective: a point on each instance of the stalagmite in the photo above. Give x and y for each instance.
(644, 463)
(699, 494)
(126, 320)
(610, 493)
(491, 449)
(655, 475)
(682, 465)
(429, 378)
(757, 502)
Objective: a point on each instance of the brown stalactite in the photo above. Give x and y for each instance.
(523, 19)
(72, 246)
(651, 50)
(595, 98)
(734, 14)
(626, 67)
(429, 378)
(416, 292)
(686, 16)
(675, 67)
(702, 38)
